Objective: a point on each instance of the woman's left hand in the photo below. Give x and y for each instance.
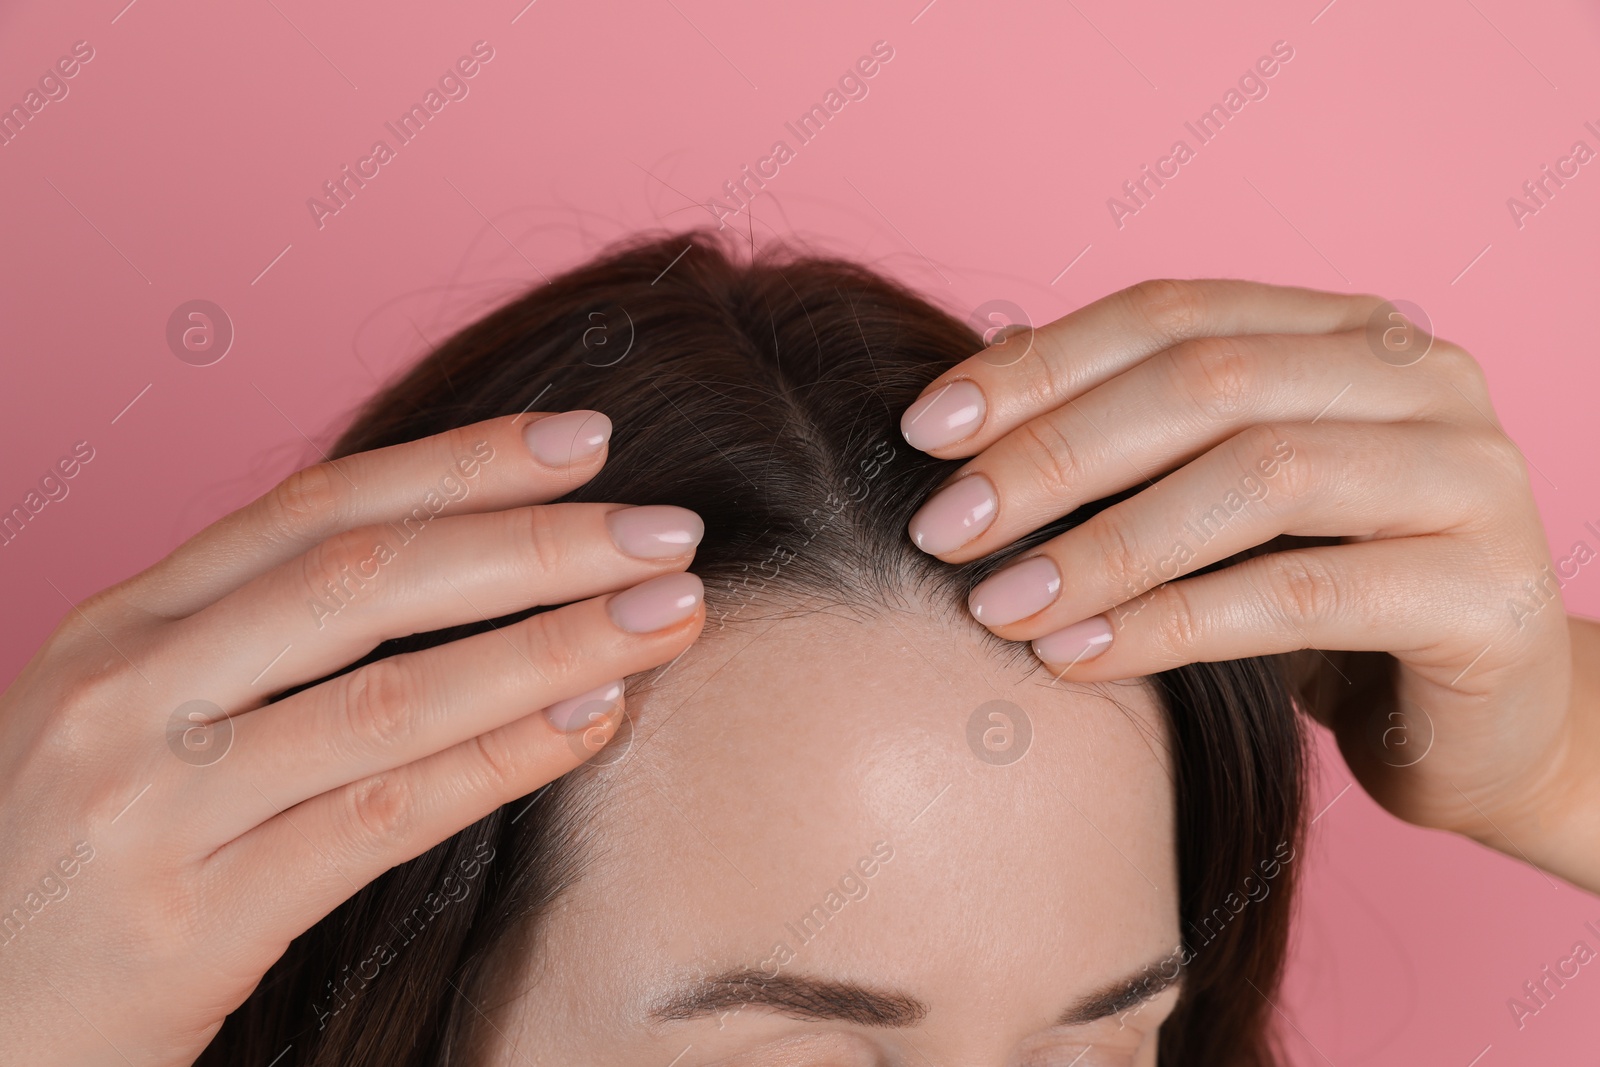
(1462, 695)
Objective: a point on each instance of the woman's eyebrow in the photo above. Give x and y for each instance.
(1122, 994)
(805, 997)
(797, 996)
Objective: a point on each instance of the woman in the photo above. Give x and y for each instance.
(857, 822)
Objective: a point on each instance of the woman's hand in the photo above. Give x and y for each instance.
(1251, 413)
(168, 832)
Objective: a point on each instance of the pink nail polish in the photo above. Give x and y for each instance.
(944, 416)
(655, 531)
(1020, 590)
(955, 515)
(570, 437)
(585, 710)
(656, 604)
(1076, 643)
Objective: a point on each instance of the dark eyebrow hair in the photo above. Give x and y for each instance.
(795, 995)
(804, 997)
(1118, 996)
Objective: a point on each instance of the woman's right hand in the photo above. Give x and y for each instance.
(156, 866)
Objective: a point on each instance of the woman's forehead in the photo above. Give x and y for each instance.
(887, 794)
(847, 711)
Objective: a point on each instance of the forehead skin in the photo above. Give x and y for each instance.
(771, 767)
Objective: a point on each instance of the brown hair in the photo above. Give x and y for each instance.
(756, 391)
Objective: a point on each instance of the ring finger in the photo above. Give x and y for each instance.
(299, 865)
(408, 707)
(1308, 480)
(1376, 596)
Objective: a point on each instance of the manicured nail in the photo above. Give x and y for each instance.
(582, 712)
(564, 439)
(944, 416)
(656, 604)
(655, 531)
(1020, 590)
(1078, 642)
(957, 513)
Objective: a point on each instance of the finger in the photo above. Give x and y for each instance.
(1305, 480)
(407, 707)
(304, 862)
(1188, 399)
(979, 400)
(329, 607)
(501, 463)
(1369, 596)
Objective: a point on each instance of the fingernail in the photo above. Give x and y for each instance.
(582, 712)
(655, 604)
(1078, 642)
(944, 416)
(957, 513)
(655, 531)
(564, 439)
(1020, 590)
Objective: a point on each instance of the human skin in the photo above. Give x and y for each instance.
(186, 871)
(759, 777)
(199, 882)
(1462, 695)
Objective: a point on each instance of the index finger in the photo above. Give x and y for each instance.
(501, 463)
(984, 397)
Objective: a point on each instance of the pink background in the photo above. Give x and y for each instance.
(978, 167)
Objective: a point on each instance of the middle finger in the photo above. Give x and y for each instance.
(1154, 417)
(328, 608)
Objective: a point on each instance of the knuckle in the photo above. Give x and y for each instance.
(1179, 631)
(304, 502)
(1052, 455)
(496, 763)
(90, 619)
(75, 627)
(1173, 309)
(332, 563)
(90, 694)
(1303, 587)
(380, 810)
(376, 709)
(1282, 456)
(544, 539)
(551, 641)
(1051, 383)
(1459, 366)
(1503, 456)
(87, 704)
(1216, 373)
(1454, 356)
(1117, 554)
